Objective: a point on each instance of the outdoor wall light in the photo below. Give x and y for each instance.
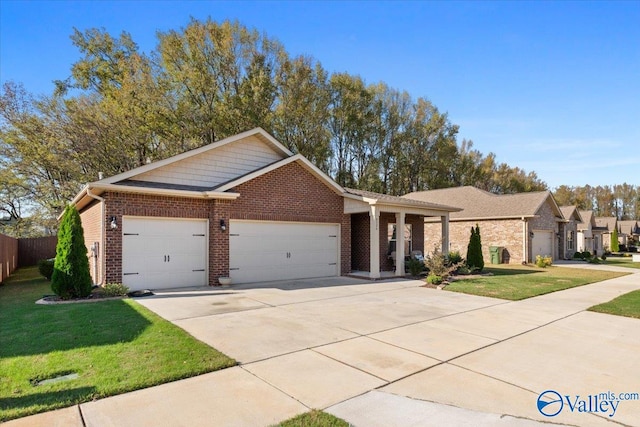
(223, 226)
(531, 234)
(114, 223)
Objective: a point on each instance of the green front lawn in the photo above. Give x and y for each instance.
(515, 282)
(113, 346)
(627, 305)
(622, 262)
(314, 418)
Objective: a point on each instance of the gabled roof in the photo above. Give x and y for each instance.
(478, 204)
(379, 198)
(571, 212)
(629, 227)
(588, 220)
(260, 133)
(608, 223)
(155, 180)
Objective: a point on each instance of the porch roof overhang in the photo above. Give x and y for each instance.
(359, 201)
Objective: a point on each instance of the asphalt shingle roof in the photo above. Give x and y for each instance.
(569, 211)
(476, 203)
(606, 222)
(629, 227)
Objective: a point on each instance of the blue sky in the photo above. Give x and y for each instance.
(550, 87)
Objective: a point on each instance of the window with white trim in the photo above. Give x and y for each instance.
(391, 235)
(570, 240)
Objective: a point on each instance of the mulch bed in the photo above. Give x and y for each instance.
(94, 296)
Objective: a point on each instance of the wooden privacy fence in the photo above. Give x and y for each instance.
(16, 253)
(32, 250)
(8, 256)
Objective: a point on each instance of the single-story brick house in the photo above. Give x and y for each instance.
(629, 231)
(589, 234)
(524, 224)
(606, 224)
(244, 207)
(567, 245)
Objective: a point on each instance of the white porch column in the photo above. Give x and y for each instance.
(400, 244)
(444, 222)
(374, 242)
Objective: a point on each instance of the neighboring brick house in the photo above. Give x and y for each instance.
(244, 207)
(629, 231)
(589, 234)
(524, 224)
(568, 239)
(606, 224)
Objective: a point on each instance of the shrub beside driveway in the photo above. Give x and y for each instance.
(113, 347)
(514, 282)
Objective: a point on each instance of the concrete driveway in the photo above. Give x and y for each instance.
(391, 354)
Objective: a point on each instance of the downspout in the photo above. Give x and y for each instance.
(525, 240)
(102, 239)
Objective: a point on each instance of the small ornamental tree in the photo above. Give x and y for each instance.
(615, 245)
(475, 260)
(71, 277)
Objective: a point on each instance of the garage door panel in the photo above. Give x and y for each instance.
(165, 253)
(314, 257)
(267, 251)
(542, 243)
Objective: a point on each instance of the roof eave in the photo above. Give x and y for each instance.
(164, 191)
(379, 202)
(485, 218)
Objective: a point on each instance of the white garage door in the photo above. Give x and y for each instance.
(161, 253)
(542, 243)
(267, 251)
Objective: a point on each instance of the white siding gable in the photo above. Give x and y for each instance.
(215, 167)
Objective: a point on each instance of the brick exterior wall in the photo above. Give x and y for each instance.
(496, 232)
(506, 233)
(360, 242)
(565, 229)
(417, 231)
(91, 226)
(289, 193)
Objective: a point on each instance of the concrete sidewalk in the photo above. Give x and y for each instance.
(385, 354)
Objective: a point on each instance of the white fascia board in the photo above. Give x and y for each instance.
(384, 206)
(361, 198)
(165, 192)
(80, 195)
(399, 207)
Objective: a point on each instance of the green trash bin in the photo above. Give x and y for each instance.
(496, 254)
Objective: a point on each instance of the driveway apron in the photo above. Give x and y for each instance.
(328, 346)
